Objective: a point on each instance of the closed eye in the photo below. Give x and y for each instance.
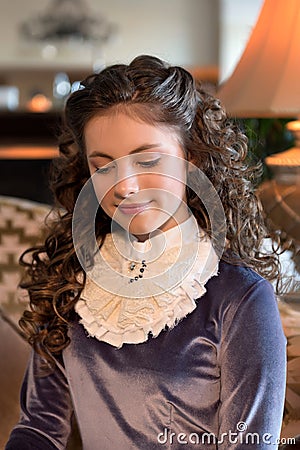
(151, 163)
(104, 170)
(144, 164)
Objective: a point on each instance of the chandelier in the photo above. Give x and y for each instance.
(67, 20)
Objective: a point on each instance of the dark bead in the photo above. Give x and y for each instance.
(142, 270)
(136, 278)
(140, 276)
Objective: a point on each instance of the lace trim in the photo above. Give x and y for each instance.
(117, 319)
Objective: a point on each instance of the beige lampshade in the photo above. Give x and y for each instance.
(266, 80)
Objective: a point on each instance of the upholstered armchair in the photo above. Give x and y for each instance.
(290, 317)
(21, 226)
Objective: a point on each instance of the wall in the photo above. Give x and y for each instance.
(181, 31)
(237, 19)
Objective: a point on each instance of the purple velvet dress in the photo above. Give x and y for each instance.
(214, 381)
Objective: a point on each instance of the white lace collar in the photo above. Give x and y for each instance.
(178, 262)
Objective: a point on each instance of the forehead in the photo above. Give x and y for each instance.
(119, 134)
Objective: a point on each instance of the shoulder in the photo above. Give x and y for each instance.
(237, 281)
(239, 287)
(241, 307)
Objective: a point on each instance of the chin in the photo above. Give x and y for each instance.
(150, 226)
(140, 230)
(143, 224)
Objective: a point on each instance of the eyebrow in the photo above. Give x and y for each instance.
(142, 148)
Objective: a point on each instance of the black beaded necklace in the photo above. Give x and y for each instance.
(133, 266)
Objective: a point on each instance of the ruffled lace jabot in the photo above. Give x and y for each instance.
(121, 303)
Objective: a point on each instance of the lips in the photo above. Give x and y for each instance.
(133, 208)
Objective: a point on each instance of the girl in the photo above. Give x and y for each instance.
(150, 316)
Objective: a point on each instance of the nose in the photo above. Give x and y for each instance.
(127, 186)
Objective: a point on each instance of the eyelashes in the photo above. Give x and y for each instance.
(151, 163)
(144, 164)
(103, 170)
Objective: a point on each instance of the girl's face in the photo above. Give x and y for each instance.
(139, 173)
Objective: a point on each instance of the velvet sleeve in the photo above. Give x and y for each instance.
(253, 362)
(46, 410)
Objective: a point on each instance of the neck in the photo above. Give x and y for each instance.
(170, 223)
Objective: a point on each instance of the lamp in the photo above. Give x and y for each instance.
(266, 83)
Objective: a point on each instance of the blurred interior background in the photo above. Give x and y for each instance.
(46, 48)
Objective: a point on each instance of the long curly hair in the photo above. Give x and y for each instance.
(155, 93)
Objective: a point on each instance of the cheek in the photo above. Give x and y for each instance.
(175, 182)
(170, 189)
(107, 203)
(103, 187)
(105, 197)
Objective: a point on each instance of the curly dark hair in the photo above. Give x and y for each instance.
(156, 93)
